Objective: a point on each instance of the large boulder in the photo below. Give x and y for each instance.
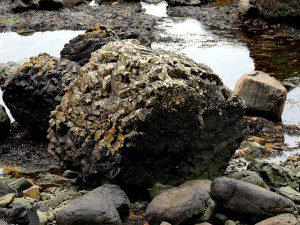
(22, 5)
(139, 116)
(99, 206)
(180, 205)
(19, 214)
(79, 49)
(35, 88)
(4, 123)
(264, 95)
(273, 10)
(249, 199)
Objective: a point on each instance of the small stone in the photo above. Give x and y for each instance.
(282, 219)
(42, 217)
(32, 192)
(165, 223)
(7, 199)
(22, 201)
(290, 193)
(230, 222)
(70, 174)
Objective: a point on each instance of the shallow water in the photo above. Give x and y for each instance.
(15, 47)
(291, 112)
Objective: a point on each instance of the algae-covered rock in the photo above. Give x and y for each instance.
(35, 88)
(140, 116)
(79, 49)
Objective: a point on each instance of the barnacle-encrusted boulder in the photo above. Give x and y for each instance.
(35, 88)
(79, 49)
(140, 116)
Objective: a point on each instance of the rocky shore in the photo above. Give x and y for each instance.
(113, 131)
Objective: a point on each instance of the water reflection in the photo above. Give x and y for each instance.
(15, 47)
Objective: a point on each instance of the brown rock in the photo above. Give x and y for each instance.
(32, 192)
(203, 184)
(282, 219)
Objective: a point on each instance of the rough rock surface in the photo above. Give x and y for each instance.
(274, 10)
(19, 215)
(282, 219)
(249, 199)
(35, 88)
(96, 207)
(22, 5)
(4, 123)
(180, 205)
(140, 116)
(79, 49)
(263, 95)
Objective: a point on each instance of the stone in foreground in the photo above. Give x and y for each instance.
(35, 88)
(79, 49)
(282, 219)
(4, 123)
(290, 193)
(264, 95)
(249, 199)
(99, 206)
(137, 116)
(180, 205)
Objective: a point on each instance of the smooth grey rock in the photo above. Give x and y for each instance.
(249, 199)
(7, 199)
(250, 177)
(178, 205)
(282, 219)
(290, 193)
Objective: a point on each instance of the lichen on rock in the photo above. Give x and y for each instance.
(140, 116)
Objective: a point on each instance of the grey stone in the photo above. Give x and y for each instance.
(282, 219)
(178, 205)
(290, 193)
(250, 177)
(5, 189)
(203, 184)
(249, 199)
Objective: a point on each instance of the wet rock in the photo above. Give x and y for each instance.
(22, 5)
(249, 199)
(33, 192)
(178, 205)
(96, 207)
(272, 10)
(264, 95)
(157, 189)
(35, 88)
(290, 193)
(250, 177)
(139, 116)
(284, 219)
(7, 199)
(203, 184)
(19, 215)
(5, 189)
(4, 123)
(277, 176)
(5, 70)
(79, 49)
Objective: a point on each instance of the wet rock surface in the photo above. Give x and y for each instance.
(249, 199)
(147, 93)
(263, 95)
(180, 205)
(79, 49)
(35, 88)
(4, 123)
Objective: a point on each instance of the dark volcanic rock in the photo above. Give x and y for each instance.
(178, 205)
(96, 207)
(79, 49)
(22, 5)
(249, 199)
(4, 123)
(140, 116)
(19, 215)
(35, 88)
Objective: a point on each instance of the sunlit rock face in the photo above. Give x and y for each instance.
(137, 116)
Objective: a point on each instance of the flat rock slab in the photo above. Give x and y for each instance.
(249, 199)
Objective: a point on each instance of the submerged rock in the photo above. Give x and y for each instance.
(4, 123)
(249, 199)
(35, 88)
(139, 116)
(22, 5)
(264, 95)
(99, 206)
(179, 205)
(79, 49)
